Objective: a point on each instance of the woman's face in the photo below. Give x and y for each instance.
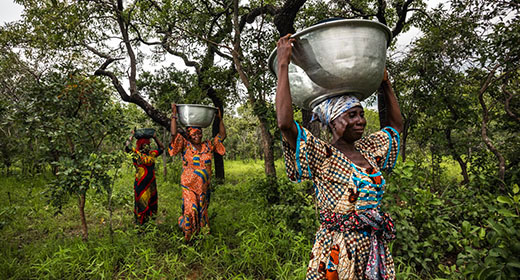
(196, 137)
(351, 124)
(145, 148)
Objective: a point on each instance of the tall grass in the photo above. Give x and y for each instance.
(246, 241)
(254, 234)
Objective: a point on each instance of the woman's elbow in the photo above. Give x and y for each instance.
(398, 125)
(284, 125)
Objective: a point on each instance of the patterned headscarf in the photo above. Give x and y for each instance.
(193, 129)
(329, 109)
(141, 142)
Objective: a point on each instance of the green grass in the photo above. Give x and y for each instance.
(245, 241)
(250, 238)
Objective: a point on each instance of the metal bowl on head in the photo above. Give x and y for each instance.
(337, 57)
(144, 133)
(196, 114)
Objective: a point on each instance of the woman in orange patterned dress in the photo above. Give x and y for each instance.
(196, 173)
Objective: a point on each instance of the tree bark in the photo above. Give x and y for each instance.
(404, 138)
(509, 97)
(485, 138)
(267, 139)
(267, 146)
(456, 156)
(284, 18)
(166, 141)
(381, 108)
(217, 158)
(81, 206)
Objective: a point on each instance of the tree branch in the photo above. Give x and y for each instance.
(251, 16)
(402, 12)
(485, 120)
(381, 7)
(284, 19)
(509, 96)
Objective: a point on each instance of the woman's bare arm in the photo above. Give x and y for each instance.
(393, 112)
(284, 111)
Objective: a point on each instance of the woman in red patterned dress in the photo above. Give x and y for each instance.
(145, 187)
(196, 173)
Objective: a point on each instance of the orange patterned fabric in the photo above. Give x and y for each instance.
(195, 181)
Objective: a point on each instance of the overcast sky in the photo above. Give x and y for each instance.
(9, 11)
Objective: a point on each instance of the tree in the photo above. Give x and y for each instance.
(465, 54)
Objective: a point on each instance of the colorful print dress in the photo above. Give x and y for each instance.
(351, 242)
(195, 180)
(145, 186)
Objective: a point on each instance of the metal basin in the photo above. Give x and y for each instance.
(196, 115)
(334, 58)
(144, 133)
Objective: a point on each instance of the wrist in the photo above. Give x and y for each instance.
(283, 65)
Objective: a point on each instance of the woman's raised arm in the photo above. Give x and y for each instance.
(222, 128)
(284, 111)
(158, 142)
(173, 125)
(393, 112)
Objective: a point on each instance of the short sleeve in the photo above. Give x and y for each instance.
(177, 144)
(308, 157)
(217, 145)
(383, 146)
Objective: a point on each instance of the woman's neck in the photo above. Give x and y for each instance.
(344, 146)
(350, 151)
(197, 146)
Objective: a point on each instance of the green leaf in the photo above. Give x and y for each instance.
(504, 199)
(514, 264)
(506, 213)
(482, 233)
(436, 202)
(466, 227)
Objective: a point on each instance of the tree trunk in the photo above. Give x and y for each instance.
(164, 155)
(485, 137)
(284, 19)
(314, 128)
(109, 207)
(381, 107)
(267, 146)
(267, 139)
(404, 137)
(220, 174)
(81, 205)
(456, 156)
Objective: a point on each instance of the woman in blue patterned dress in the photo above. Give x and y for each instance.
(351, 242)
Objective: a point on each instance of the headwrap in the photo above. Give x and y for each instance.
(141, 142)
(329, 109)
(193, 129)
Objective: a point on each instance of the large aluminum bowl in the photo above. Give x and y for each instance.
(196, 115)
(334, 58)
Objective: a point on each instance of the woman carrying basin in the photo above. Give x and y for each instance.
(196, 172)
(352, 240)
(145, 186)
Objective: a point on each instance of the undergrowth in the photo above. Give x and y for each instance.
(261, 228)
